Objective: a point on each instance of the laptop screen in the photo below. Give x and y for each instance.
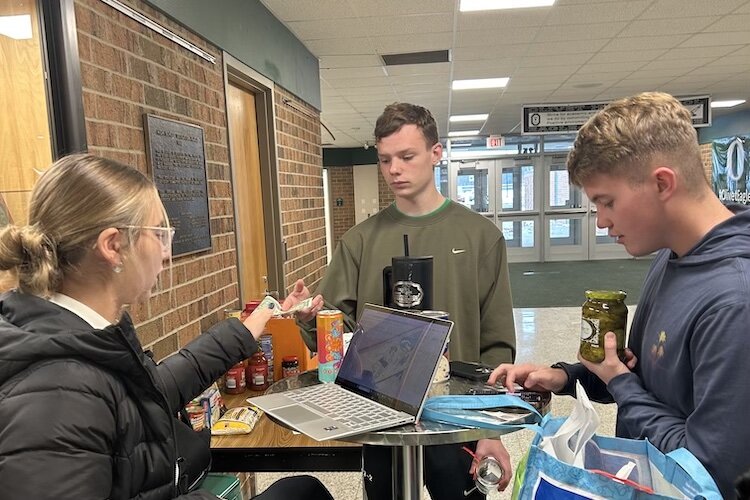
(392, 358)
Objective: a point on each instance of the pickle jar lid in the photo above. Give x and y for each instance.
(606, 294)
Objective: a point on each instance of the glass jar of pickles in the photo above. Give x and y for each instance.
(604, 311)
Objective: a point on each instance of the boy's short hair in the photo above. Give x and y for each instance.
(625, 138)
(398, 114)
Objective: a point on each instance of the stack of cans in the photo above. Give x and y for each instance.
(266, 345)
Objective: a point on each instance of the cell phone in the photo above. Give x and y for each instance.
(471, 371)
(485, 391)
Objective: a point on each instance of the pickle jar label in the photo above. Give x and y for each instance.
(590, 331)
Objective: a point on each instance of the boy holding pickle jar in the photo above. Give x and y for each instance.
(685, 380)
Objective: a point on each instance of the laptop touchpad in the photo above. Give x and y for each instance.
(296, 415)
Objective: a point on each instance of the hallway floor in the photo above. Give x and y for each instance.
(544, 336)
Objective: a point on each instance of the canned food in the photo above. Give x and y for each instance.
(234, 380)
(604, 311)
(197, 416)
(330, 326)
(232, 313)
(289, 366)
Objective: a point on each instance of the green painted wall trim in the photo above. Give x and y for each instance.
(248, 31)
(347, 157)
(737, 123)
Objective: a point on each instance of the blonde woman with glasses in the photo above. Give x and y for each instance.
(84, 412)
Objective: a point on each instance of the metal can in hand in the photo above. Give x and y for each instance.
(330, 332)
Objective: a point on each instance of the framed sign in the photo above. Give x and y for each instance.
(177, 158)
(540, 119)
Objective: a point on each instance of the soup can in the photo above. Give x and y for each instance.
(330, 325)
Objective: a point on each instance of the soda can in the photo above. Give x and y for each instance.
(439, 315)
(443, 372)
(330, 324)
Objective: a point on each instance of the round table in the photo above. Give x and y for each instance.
(409, 463)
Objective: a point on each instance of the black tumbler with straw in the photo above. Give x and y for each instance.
(407, 282)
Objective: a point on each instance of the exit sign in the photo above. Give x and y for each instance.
(495, 141)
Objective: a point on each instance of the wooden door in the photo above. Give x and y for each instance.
(25, 143)
(250, 228)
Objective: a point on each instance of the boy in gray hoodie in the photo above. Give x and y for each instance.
(638, 160)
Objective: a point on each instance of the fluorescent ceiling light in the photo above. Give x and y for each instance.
(468, 118)
(482, 83)
(463, 133)
(727, 104)
(16, 27)
(473, 5)
(460, 144)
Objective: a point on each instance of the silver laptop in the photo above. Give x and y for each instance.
(382, 382)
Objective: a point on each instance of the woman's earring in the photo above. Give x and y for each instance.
(118, 268)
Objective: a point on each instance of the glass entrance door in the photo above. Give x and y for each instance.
(542, 216)
(566, 219)
(517, 207)
(570, 220)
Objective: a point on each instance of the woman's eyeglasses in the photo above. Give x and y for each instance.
(163, 234)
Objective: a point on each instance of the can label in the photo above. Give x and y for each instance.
(232, 313)
(330, 324)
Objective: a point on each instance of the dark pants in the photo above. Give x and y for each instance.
(302, 487)
(446, 472)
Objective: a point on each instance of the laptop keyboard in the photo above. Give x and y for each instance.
(346, 407)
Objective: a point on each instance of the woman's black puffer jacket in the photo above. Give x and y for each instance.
(84, 413)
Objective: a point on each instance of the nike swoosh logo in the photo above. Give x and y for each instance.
(457, 250)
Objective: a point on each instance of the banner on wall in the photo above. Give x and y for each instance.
(540, 119)
(730, 160)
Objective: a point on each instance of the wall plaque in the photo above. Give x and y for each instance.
(176, 155)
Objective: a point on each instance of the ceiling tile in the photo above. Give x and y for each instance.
(495, 38)
(621, 44)
(629, 56)
(690, 53)
(558, 48)
(711, 39)
(499, 19)
(411, 43)
(480, 53)
(648, 27)
(578, 32)
(733, 22)
(596, 12)
(368, 8)
(669, 9)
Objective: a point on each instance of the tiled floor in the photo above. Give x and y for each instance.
(544, 336)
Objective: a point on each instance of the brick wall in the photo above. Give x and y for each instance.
(342, 186)
(300, 160)
(128, 70)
